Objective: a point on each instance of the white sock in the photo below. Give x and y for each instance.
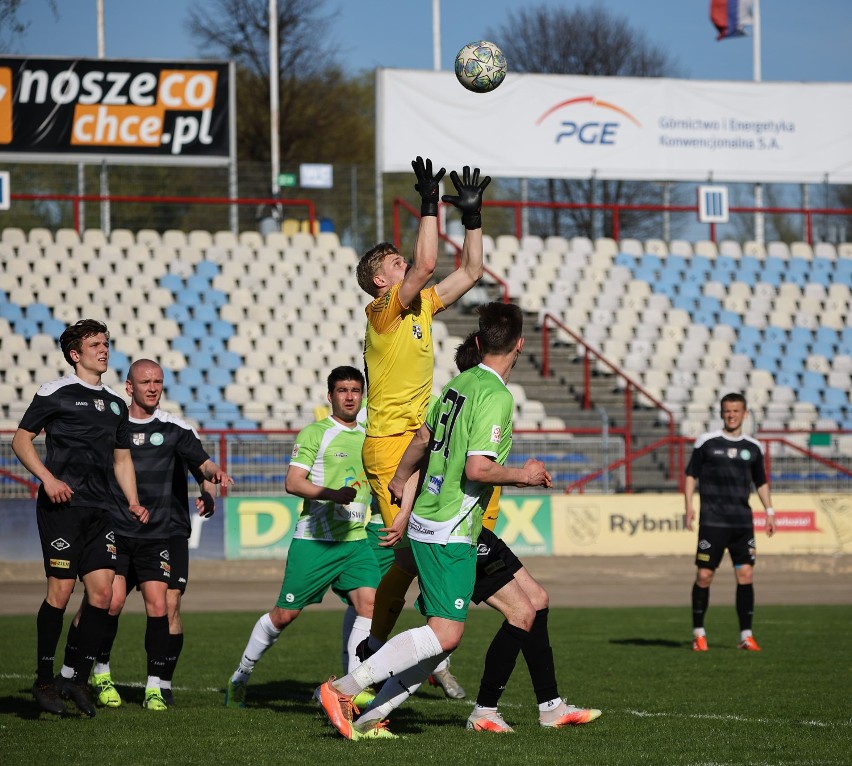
(152, 683)
(744, 634)
(699, 632)
(100, 667)
(403, 651)
(397, 690)
(348, 621)
(66, 672)
(165, 684)
(360, 631)
(547, 707)
(263, 635)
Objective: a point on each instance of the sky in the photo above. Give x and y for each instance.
(808, 42)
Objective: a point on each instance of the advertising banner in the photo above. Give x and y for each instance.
(260, 527)
(566, 126)
(88, 110)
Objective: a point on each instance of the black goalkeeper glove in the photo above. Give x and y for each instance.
(469, 198)
(427, 185)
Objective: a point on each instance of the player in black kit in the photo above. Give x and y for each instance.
(87, 440)
(162, 446)
(725, 464)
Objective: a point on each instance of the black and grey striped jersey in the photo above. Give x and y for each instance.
(157, 444)
(726, 468)
(83, 425)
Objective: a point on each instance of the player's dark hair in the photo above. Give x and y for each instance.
(501, 325)
(733, 397)
(74, 335)
(369, 266)
(467, 353)
(344, 372)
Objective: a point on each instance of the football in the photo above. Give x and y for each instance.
(480, 66)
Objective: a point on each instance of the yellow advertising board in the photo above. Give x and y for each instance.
(653, 525)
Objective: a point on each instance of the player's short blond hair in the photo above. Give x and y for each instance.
(370, 264)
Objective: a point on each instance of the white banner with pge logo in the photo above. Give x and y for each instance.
(562, 126)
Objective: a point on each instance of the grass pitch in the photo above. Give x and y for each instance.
(790, 704)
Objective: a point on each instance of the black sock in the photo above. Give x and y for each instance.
(745, 605)
(48, 629)
(157, 644)
(539, 658)
(90, 631)
(110, 632)
(500, 661)
(700, 604)
(175, 648)
(71, 649)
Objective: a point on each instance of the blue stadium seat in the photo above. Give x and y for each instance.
(179, 312)
(215, 424)
(220, 328)
(676, 263)
(786, 377)
(204, 312)
(244, 424)
(38, 312)
(646, 274)
(120, 362)
(731, 318)
(218, 376)
(767, 361)
(197, 410)
(704, 316)
(811, 379)
(188, 297)
(797, 268)
(726, 263)
(773, 334)
(843, 271)
(651, 261)
(190, 376)
(826, 336)
(215, 298)
(11, 311)
(625, 259)
(197, 283)
(184, 344)
(180, 394)
(744, 347)
(171, 282)
(751, 335)
(208, 394)
(685, 302)
(194, 329)
(801, 336)
(54, 327)
(774, 265)
(25, 327)
(810, 395)
(226, 410)
(210, 345)
(207, 269)
(229, 360)
(700, 263)
(835, 398)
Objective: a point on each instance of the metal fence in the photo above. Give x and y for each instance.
(258, 463)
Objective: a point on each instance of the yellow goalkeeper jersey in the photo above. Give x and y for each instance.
(399, 359)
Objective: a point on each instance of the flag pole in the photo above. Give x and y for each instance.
(759, 223)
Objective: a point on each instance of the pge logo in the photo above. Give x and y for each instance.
(601, 131)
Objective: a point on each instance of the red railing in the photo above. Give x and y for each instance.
(680, 443)
(630, 385)
(78, 199)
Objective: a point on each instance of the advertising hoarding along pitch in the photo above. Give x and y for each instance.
(655, 129)
(88, 110)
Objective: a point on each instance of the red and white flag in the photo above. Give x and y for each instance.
(731, 17)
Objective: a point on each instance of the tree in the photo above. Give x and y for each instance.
(585, 41)
(11, 25)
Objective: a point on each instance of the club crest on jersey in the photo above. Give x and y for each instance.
(115, 408)
(138, 439)
(99, 405)
(157, 439)
(745, 454)
(732, 453)
(495, 434)
(417, 331)
(295, 452)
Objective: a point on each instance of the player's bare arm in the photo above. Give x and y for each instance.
(22, 445)
(468, 200)
(297, 483)
(125, 475)
(766, 499)
(486, 470)
(688, 496)
(215, 475)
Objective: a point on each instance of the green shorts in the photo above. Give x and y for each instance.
(447, 574)
(314, 566)
(384, 556)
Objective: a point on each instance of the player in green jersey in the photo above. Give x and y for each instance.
(329, 548)
(470, 436)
